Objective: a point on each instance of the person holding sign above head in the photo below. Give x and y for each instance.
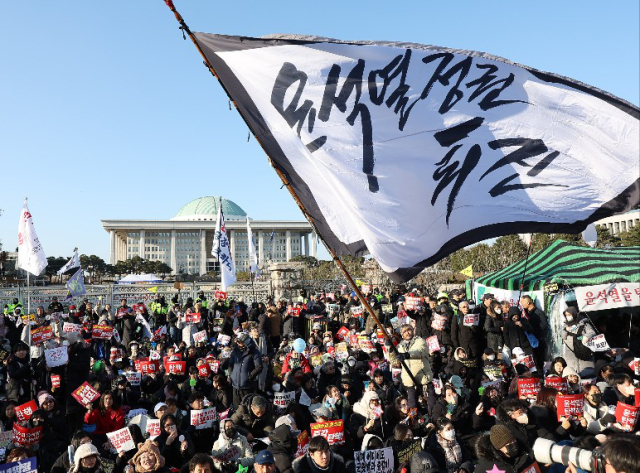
(319, 459)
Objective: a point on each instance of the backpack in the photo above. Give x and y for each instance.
(580, 350)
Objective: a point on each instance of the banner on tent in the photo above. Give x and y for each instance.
(511, 296)
(608, 296)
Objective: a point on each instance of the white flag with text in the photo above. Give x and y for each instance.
(31, 256)
(222, 251)
(253, 257)
(74, 262)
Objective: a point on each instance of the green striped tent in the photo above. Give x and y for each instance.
(569, 265)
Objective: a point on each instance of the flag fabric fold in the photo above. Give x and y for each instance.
(31, 256)
(74, 262)
(253, 256)
(410, 152)
(75, 284)
(222, 251)
(468, 271)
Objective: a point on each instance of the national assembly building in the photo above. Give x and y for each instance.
(184, 242)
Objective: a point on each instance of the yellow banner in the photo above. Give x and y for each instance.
(468, 271)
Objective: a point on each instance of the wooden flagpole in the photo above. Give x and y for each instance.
(285, 182)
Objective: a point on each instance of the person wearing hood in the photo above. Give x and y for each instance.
(86, 460)
(499, 450)
(573, 380)
(244, 364)
(384, 387)
(514, 333)
(230, 437)
(20, 374)
(493, 325)
(50, 446)
(370, 442)
(515, 415)
(366, 418)
(319, 459)
(413, 351)
(77, 372)
(577, 330)
(447, 449)
(65, 460)
(148, 459)
(283, 446)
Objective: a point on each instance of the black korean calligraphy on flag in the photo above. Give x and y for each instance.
(409, 152)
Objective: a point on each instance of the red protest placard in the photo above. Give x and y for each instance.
(26, 436)
(528, 387)
(193, 318)
(333, 431)
(412, 303)
(102, 332)
(55, 381)
(295, 311)
(533, 468)
(220, 295)
(41, 334)
(214, 365)
(626, 415)
(433, 344)
(149, 366)
(303, 443)
(438, 322)
(138, 361)
(24, 411)
(342, 333)
(85, 394)
(176, 367)
(570, 406)
(471, 320)
(637, 397)
(557, 383)
(204, 418)
(204, 371)
(121, 440)
(121, 312)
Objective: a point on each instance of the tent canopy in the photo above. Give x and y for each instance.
(140, 278)
(569, 264)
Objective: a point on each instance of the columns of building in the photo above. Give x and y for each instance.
(273, 245)
(288, 247)
(203, 251)
(314, 245)
(232, 243)
(173, 259)
(141, 244)
(304, 241)
(260, 248)
(112, 247)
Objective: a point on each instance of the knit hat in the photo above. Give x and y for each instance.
(500, 435)
(148, 447)
(43, 396)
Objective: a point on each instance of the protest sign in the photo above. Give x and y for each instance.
(608, 296)
(102, 332)
(176, 367)
(395, 374)
(556, 382)
(295, 311)
(528, 387)
(153, 428)
(25, 436)
(56, 357)
(332, 431)
(357, 311)
(133, 377)
(85, 394)
(316, 360)
(149, 366)
(29, 465)
(570, 406)
(598, 343)
(121, 312)
(200, 337)
(433, 344)
(342, 352)
(412, 303)
(303, 443)
(493, 371)
(533, 468)
(387, 308)
(224, 339)
(333, 308)
(374, 461)
(24, 411)
(471, 320)
(214, 365)
(203, 418)
(367, 346)
(282, 400)
(230, 454)
(220, 295)
(342, 333)
(4, 355)
(408, 449)
(525, 360)
(121, 440)
(626, 416)
(193, 318)
(438, 322)
(68, 327)
(55, 381)
(204, 370)
(41, 334)
(637, 397)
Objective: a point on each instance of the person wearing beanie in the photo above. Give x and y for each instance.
(20, 374)
(499, 450)
(86, 460)
(53, 414)
(148, 459)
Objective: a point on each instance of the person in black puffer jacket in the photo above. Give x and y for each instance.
(515, 415)
(500, 450)
(283, 446)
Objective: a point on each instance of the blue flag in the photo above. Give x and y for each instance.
(29, 465)
(75, 284)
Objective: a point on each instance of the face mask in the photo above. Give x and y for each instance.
(332, 400)
(275, 387)
(449, 434)
(512, 450)
(498, 311)
(596, 398)
(523, 419)
(230, 432)
(491, 357)
(569, 318)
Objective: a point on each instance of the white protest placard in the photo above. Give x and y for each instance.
(133, 377)
(223, 339)
(153, 428)
(374, 461)
(121, 440)
(282, 400)
(56, 357)
(68, 327)
(598, 343)
(203, 418)
(200, 337)
(305, 400)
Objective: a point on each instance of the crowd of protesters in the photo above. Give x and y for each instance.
(454, 388)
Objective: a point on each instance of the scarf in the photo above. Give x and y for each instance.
(452, 453)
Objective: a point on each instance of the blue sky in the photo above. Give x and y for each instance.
(105, 112)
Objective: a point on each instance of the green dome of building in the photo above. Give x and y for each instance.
(206, 208)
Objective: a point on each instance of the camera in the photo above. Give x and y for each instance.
(547, 451)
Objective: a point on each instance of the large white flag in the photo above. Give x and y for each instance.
(31, 256)
(253, 257)
(410, 152)
(74, 262)
(222, 251)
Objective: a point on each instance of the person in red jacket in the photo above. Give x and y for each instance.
(295, 360)
(106, 418)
